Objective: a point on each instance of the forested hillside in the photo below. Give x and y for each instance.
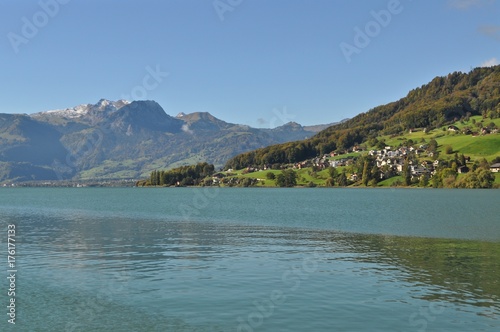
(442, 101)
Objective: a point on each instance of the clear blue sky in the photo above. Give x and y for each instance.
(256, 62)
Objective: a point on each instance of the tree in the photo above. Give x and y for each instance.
(454, 166)
(462, 160)
(280, 180)
(480, 178)
(158, 178)
(332, 171)
(248, 182)
(270, 176)
(432, 146)
(406, 173)
(436, 181)
(380, 145)
(342, 179)
(330, 182)
(155, 178)
(484, 164)
(387, 171)
(448, 149)
(423, 181)
(152, 178)
(291, 178)
(187, 181)
(366, 173)
(375, 174)
(208, 169)
(161, 178)
(287, 178)
(485, 178)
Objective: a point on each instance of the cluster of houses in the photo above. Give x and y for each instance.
(395, 160)
(387, 159)
(468, 131)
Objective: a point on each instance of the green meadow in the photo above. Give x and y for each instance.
(476, 147)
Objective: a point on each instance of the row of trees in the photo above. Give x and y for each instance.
(479, 175)
(181, 176)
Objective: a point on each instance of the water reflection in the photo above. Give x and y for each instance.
(174, 267)
(457, 271)
(468, 270)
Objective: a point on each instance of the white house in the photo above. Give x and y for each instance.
(495, 168)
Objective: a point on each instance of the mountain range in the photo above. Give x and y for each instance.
(127, 140)
(124, 140)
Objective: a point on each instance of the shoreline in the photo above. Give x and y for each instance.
(20, 185)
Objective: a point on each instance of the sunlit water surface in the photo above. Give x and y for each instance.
(193, 259)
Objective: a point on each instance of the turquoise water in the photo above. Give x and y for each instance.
(194, 259)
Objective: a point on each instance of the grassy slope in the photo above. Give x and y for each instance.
(390, 181)
(487, 146)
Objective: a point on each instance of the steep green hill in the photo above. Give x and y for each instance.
(443, 101)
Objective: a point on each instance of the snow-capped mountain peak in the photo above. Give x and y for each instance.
(102, 106)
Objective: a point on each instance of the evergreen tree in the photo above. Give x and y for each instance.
(153, 178)
(375, 174)
(342, 179)
(462, 160)
(332, 171)
(330, 182)
(366, 173)
(423, 181)
(406, 173)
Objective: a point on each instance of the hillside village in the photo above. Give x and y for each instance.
(419, 162)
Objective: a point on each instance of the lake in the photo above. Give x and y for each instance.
(252, 259)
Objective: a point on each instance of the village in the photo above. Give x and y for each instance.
(423, 160)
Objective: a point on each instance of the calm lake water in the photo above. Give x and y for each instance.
(194, 259)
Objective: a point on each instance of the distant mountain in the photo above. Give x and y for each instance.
(318, 128)
(121, 139)
(442, 101)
